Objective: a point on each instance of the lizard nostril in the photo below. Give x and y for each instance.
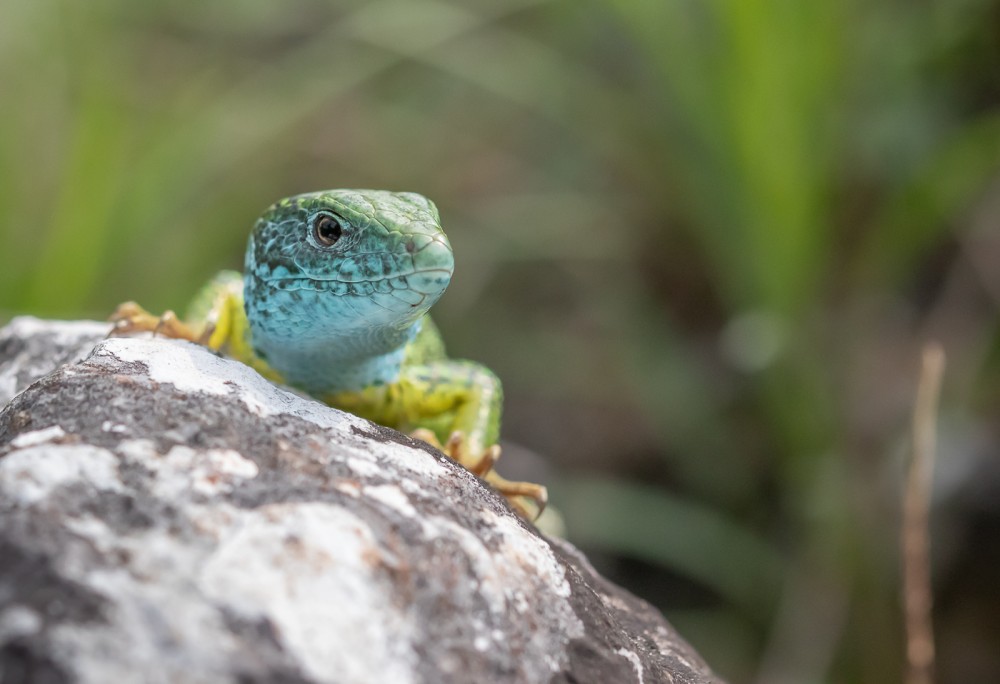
(411, 247)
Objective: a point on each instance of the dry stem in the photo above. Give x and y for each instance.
(915, 534)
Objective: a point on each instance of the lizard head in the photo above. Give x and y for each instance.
(344, 262)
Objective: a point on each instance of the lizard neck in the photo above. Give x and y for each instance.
(343, 353)
(342, 363)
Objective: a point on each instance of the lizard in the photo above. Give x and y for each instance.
(334, 300)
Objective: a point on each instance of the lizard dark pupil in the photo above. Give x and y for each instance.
(327, 230)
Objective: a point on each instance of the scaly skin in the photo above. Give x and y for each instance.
(334, 300)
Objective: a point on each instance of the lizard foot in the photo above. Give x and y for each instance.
(129, 317)
(527, 498)
(456, 450)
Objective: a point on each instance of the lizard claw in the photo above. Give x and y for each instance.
(129, 317)
(527, 498)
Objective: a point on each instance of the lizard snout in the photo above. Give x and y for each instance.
(433, 264)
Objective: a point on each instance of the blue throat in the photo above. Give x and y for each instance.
(336, 349)
(336, 363)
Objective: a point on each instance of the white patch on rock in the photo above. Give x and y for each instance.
(184, 365)
(363, 466)
(313, 570)
(232, 462)
(205, 471)
(36, 437)
(634, 659)
(391, 458)
(510, 578)
(18, 621)
(531, 553)
(392, 496)
(613, 602)
(31, 474)
(8, 383)
(149, 622)
(352, 489)
(418, 467)
(63, 334)
(191, 368)
(414, 460)
(95, 531)
(141, 451)
(154, 614)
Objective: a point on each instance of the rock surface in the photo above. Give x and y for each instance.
(167, 515)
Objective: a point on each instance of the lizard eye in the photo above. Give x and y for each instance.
(327, 230)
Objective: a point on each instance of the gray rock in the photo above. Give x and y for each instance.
(167, 515)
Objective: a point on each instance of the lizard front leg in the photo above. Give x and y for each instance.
(455, 406)
(527, 498)
(216, 320)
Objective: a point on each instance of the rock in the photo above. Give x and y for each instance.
(167, 515)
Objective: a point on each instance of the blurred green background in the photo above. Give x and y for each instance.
(701, 241)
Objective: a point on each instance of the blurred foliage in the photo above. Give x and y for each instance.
(702, 242)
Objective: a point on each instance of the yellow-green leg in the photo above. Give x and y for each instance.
(455, 406)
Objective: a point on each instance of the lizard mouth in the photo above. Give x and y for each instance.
(422, 282)
(416, 277)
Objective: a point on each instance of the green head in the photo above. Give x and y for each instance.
(342, 274)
